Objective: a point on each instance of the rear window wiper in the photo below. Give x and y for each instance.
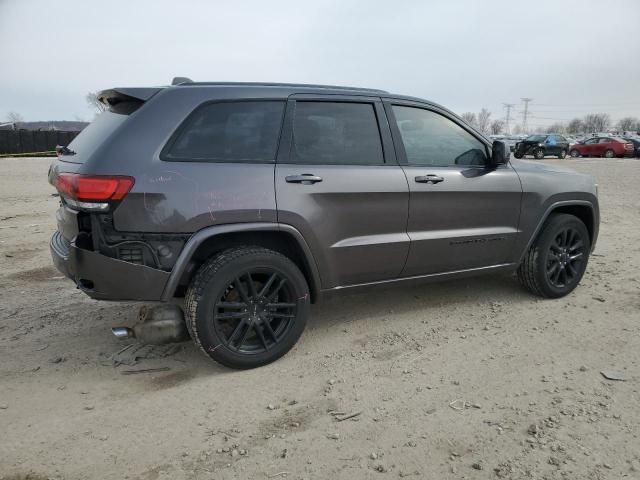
(63, 150)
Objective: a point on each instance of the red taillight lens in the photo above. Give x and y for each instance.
(87, 188)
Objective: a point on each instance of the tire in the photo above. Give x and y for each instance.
(274, 292)
(538, 154)
(542, 271)
(609, 154)
(563, 154)
(517, 155)
(574, 153)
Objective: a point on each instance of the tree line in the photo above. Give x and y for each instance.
(592, 122)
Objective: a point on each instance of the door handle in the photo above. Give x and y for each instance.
(305, 179)
(431, 178)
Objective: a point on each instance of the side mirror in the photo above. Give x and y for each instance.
(500, 153)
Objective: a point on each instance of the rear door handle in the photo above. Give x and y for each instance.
(431, 178)
(305, 179)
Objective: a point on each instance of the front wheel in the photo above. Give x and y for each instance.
(553, 266)
(574, 153)
(247, 306)
(517, 155)
(609, 153)
(538, 154)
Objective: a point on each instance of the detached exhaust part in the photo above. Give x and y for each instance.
(157, 325)
(123, 332)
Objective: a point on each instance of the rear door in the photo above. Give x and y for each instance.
(603, 145)
(338, 182)
(462, 214)
(590, 147)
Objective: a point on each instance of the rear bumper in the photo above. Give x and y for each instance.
(105, 278)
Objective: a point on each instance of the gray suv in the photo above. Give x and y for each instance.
(251, 201)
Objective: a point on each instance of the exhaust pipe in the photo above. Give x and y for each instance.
(158, 325)
(122, 332)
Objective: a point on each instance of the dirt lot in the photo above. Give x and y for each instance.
(467, 379)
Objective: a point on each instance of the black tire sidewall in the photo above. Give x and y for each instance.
(209, 338)
(543, 243)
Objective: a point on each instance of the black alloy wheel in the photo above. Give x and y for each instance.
(564, 258)
(255, 311)
(247, 306)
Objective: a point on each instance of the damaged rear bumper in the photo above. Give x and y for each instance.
(105, 278)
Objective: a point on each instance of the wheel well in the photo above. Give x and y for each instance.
(583, 212)
(278, 241)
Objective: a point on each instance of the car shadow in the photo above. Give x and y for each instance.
(417, 299)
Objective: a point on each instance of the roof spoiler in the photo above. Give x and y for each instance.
(113, 96)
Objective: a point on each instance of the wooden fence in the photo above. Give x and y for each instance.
(33, 141)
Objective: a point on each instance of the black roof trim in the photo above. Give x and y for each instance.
(293, 85)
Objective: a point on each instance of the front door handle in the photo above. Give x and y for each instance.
(305, 179)
(431, 178)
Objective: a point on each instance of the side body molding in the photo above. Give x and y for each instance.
(201, 235)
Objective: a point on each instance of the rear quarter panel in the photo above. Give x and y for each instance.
(178, 196)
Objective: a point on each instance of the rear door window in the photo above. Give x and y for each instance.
(229, 132)
(604, 140)
(336, 133)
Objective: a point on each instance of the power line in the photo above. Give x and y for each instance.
(525, 113)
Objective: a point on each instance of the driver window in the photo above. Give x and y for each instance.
(591, 141)
(604, 140)
(432, 139)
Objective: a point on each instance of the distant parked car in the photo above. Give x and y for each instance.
(636, 144)
(511, 142)
(608, 147)
(542, 145)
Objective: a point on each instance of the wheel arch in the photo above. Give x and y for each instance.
(207, 242)
(582, 209)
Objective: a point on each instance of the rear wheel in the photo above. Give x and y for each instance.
(609, 153)
(574, 153)
(247, 306)
(517, 155)
(563, 154)
(538, 154)
(556, 261)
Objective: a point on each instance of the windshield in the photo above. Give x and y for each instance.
(536, 138)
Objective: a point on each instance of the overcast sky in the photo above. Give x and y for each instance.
(571, 57)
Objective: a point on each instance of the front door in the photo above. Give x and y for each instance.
(338, 182)
(462, 214)
(591, 147)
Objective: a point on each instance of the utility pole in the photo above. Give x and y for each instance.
(525, 113)
(508, 106)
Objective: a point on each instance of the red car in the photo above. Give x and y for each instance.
(602, 147)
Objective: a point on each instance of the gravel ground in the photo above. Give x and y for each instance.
(470, 379)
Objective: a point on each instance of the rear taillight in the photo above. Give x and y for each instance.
(92, 191)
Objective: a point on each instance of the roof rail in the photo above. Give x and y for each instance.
(179, 80)
(299, 85)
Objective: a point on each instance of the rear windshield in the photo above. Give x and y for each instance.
(92, 136)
